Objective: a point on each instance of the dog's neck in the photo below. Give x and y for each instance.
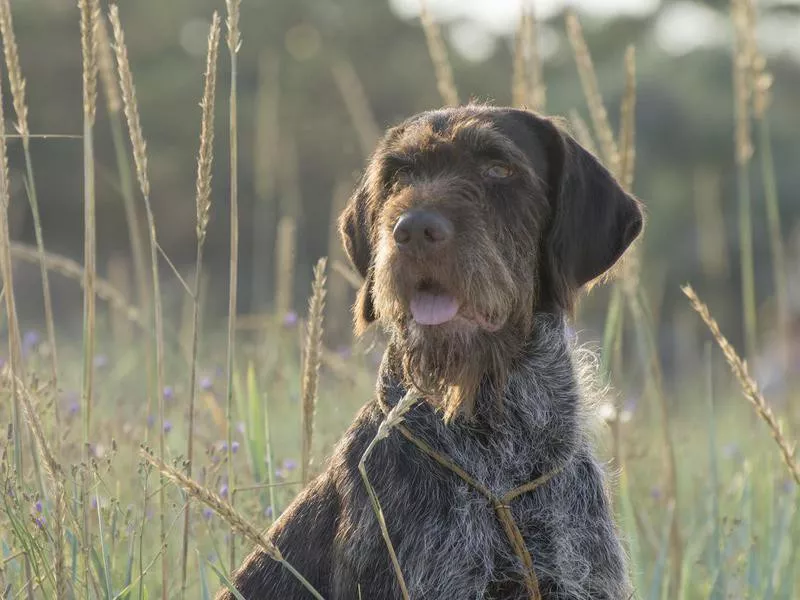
(546, 359)
(540, 416)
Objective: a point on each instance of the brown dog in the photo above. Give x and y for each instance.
(474, 229)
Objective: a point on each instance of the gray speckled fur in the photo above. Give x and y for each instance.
(448, 539)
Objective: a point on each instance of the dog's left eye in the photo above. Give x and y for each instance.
(498, 171)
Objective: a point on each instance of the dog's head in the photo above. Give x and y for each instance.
(465, 223)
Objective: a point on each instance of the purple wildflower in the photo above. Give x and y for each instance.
(169, 392)
(223, 490)
(40, 521)
(234, 447)
(240, 427)
(100, 361)
(206, 383)
(268, 512)
(167, 426)
(290, 319)
(30, 340)
(207, 513)
(94, 503)
(290, 464)
(38, 506)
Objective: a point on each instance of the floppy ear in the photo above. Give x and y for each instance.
(594, 220)
(354, 232)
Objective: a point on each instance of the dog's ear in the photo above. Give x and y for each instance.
(593, 219)
(354, 230)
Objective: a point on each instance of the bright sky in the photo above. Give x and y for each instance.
(476, 25)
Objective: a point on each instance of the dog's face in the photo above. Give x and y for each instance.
(466, 222)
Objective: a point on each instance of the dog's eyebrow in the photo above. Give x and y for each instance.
(481, 138)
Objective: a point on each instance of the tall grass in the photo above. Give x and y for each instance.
(205, 159)
(90, 526)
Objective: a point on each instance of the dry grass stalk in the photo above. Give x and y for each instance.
(205, 161)
(17, 84)
(140, 158)
(357, 103)
(228, 514)
(438, 52)
(582, 131)
(627, 132)
(519, 74)
(742, 92)
(537, 90)
(313, 345)
(748, 385)
(105, 64)
(352, 277)
(56, 476)
(285, 266)
(74, 270)
(591, 90)
(6, 265)
(234, 43)
(392, 420)
(89, 16)
(266, 163)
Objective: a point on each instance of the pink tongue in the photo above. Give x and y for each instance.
(433, 309)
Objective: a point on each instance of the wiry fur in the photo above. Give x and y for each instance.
(504, 374)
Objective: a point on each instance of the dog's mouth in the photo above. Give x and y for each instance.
(432, 305)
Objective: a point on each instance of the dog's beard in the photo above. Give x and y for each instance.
(455, 364)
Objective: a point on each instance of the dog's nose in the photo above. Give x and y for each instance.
(422, 230)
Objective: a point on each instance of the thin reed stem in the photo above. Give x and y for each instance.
(140, 158)
(742, 94)
(205, 159)
(17, 84)
(438, 52)
(234, 42)
(357, 103)
(316, 309)
(749, 386)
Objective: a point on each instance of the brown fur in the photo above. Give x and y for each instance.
(522, 245)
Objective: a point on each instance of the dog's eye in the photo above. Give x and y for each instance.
(498, 171)
(401, 178)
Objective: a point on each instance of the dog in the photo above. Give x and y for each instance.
(474, 229)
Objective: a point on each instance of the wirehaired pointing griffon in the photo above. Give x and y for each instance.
(474, 229)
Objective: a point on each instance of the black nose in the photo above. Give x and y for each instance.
(422, 230)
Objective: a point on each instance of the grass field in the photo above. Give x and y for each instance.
(707, 492)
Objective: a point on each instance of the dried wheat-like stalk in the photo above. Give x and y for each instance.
(628, 122)
(17, 84)
(56, 475)
(519, 74)
(14, 347)
(105, 64)
(129, 102)
(140, 158)
(441, 63)
(89, 16)
(227, 513)
(392, 420)
(355, 100)
(284, 265)
(234, 43)
(74, 270)
(591, 90)
(748, 385)
(582, 132)
(205, 156)
(537, 90)
(316, 308)
(205, 161)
